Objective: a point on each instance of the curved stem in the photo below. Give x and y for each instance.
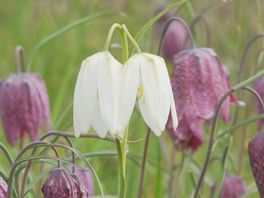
(20, 155)
(207, 27)
(211, 142)
(243, 60)
(24, 177)
(6, 153)
(71, 135)
(20, 59)
(143, 164)
(166, 27)
(46, 144)
(130, 37)
(153, 20)
(110, 35)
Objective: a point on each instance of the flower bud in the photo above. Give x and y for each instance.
(3, 188)
(233, 187)
(86, 179)
(198, 84)
(176, 39)
(24, 105)
(256, 158)
(63, 185)
(259, 87)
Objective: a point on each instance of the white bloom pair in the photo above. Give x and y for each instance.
(106, 93)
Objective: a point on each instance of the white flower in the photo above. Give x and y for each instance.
(97, 95)
(145, 76)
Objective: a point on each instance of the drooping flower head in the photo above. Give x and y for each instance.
(86, 179)
(3, 188)
(63, 185)
(146, 80)
(259, 87)
(97, 96)
(198, 83)
(233, 187)
(256, 158)
(24, 106)
(106, 93)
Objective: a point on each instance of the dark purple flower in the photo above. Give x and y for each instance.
(3, 188)
(198, 83)
(233, 187)
(24, 106)
(63, 185)
(256, 158)
(176, 39)
(259, 87)
(85, 179)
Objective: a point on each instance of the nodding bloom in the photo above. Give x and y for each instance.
(106, 93)
(24, 106)
(259, 87)
(198, 83)
(176, 39)
(256, 158)
(146, 80)
(3, 188)
(97, 96)
(233, 187)
(63, 185)
(86, 179)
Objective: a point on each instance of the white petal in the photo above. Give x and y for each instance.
(149, 102)
(108, 81)
(164, 88)
(85, 96)
(130, 83)
(98, 123)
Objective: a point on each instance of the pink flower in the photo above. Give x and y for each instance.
(24, 105)
(3, 188)
(233, 187)
(198, 84)
(256, 158)
(259, 87)
(63, 185)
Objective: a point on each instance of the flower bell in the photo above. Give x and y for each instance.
(259, 87)
(256, 158)
(3, 188)
(233, 187)
(97, 95)
(86, 179)
(24, 106)
(146, 79)
(198, 83)
(176, 39)
(63, 185)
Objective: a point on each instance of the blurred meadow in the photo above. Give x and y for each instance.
(232, 23)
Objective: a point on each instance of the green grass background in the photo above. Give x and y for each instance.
(26, 22)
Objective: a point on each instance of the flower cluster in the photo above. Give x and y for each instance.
(106, 92)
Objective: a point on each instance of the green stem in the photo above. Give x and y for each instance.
(130, 37)
(143, 164)
(153, 20)
(122, 181)
(110, 35)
